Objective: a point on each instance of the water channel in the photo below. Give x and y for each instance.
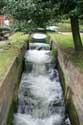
(40, 96)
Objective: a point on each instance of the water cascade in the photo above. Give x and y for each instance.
(39, 36)
(40, 96)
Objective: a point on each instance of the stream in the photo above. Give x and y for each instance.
(40, 95)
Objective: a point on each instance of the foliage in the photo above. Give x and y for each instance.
(20, 9)
(17, 40)
(2, 4)
(38, 11)
(41, 11)
(22, 26)
(71, 7)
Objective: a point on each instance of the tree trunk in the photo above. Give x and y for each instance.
(76, 33)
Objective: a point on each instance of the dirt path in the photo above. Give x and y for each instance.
(69, 33)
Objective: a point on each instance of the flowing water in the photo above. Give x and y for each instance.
(40, 96)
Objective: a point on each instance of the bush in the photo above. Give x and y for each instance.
(22, 26)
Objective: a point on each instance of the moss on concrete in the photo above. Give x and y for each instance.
(61, 76)
(12, 57)
(70, 108)
(67, 42)
(13, 108)
(54, 52)
(18, 73)
(72, 112)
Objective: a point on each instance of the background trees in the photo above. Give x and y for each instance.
(36, 11)
(2, 4)
(74, 9)
(41, 11)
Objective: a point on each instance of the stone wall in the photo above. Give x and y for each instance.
(9, 86)
(73, 86)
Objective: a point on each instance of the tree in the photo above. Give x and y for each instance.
(2, 4)
(33, 10)
(41, 11)
(74, 9)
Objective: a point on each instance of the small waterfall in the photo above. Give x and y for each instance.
(38, 46)
(40, 96)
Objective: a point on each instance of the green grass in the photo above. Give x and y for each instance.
(66, 27)
(18, 39)
(5, 60)
(66, 42)
(16, 42)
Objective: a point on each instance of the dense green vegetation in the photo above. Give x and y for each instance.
(2, 4)
(22, 26)
(10, 51)
(41, 12)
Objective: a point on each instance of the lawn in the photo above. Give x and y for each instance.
(66, 42)
(11, 50)
(66, 27)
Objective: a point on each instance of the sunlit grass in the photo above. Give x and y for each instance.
(66, 27)
(6, 58)
(66, 42)
(11, 50)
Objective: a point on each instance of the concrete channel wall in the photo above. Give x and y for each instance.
(72, 85)
(8, 87)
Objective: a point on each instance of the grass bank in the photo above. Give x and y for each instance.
(66, 42)
(66, 27)
(10, 50)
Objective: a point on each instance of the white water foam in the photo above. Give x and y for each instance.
(40, 97)
(39, 36)
(36, 56)
(23, 119)
(42, 87)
